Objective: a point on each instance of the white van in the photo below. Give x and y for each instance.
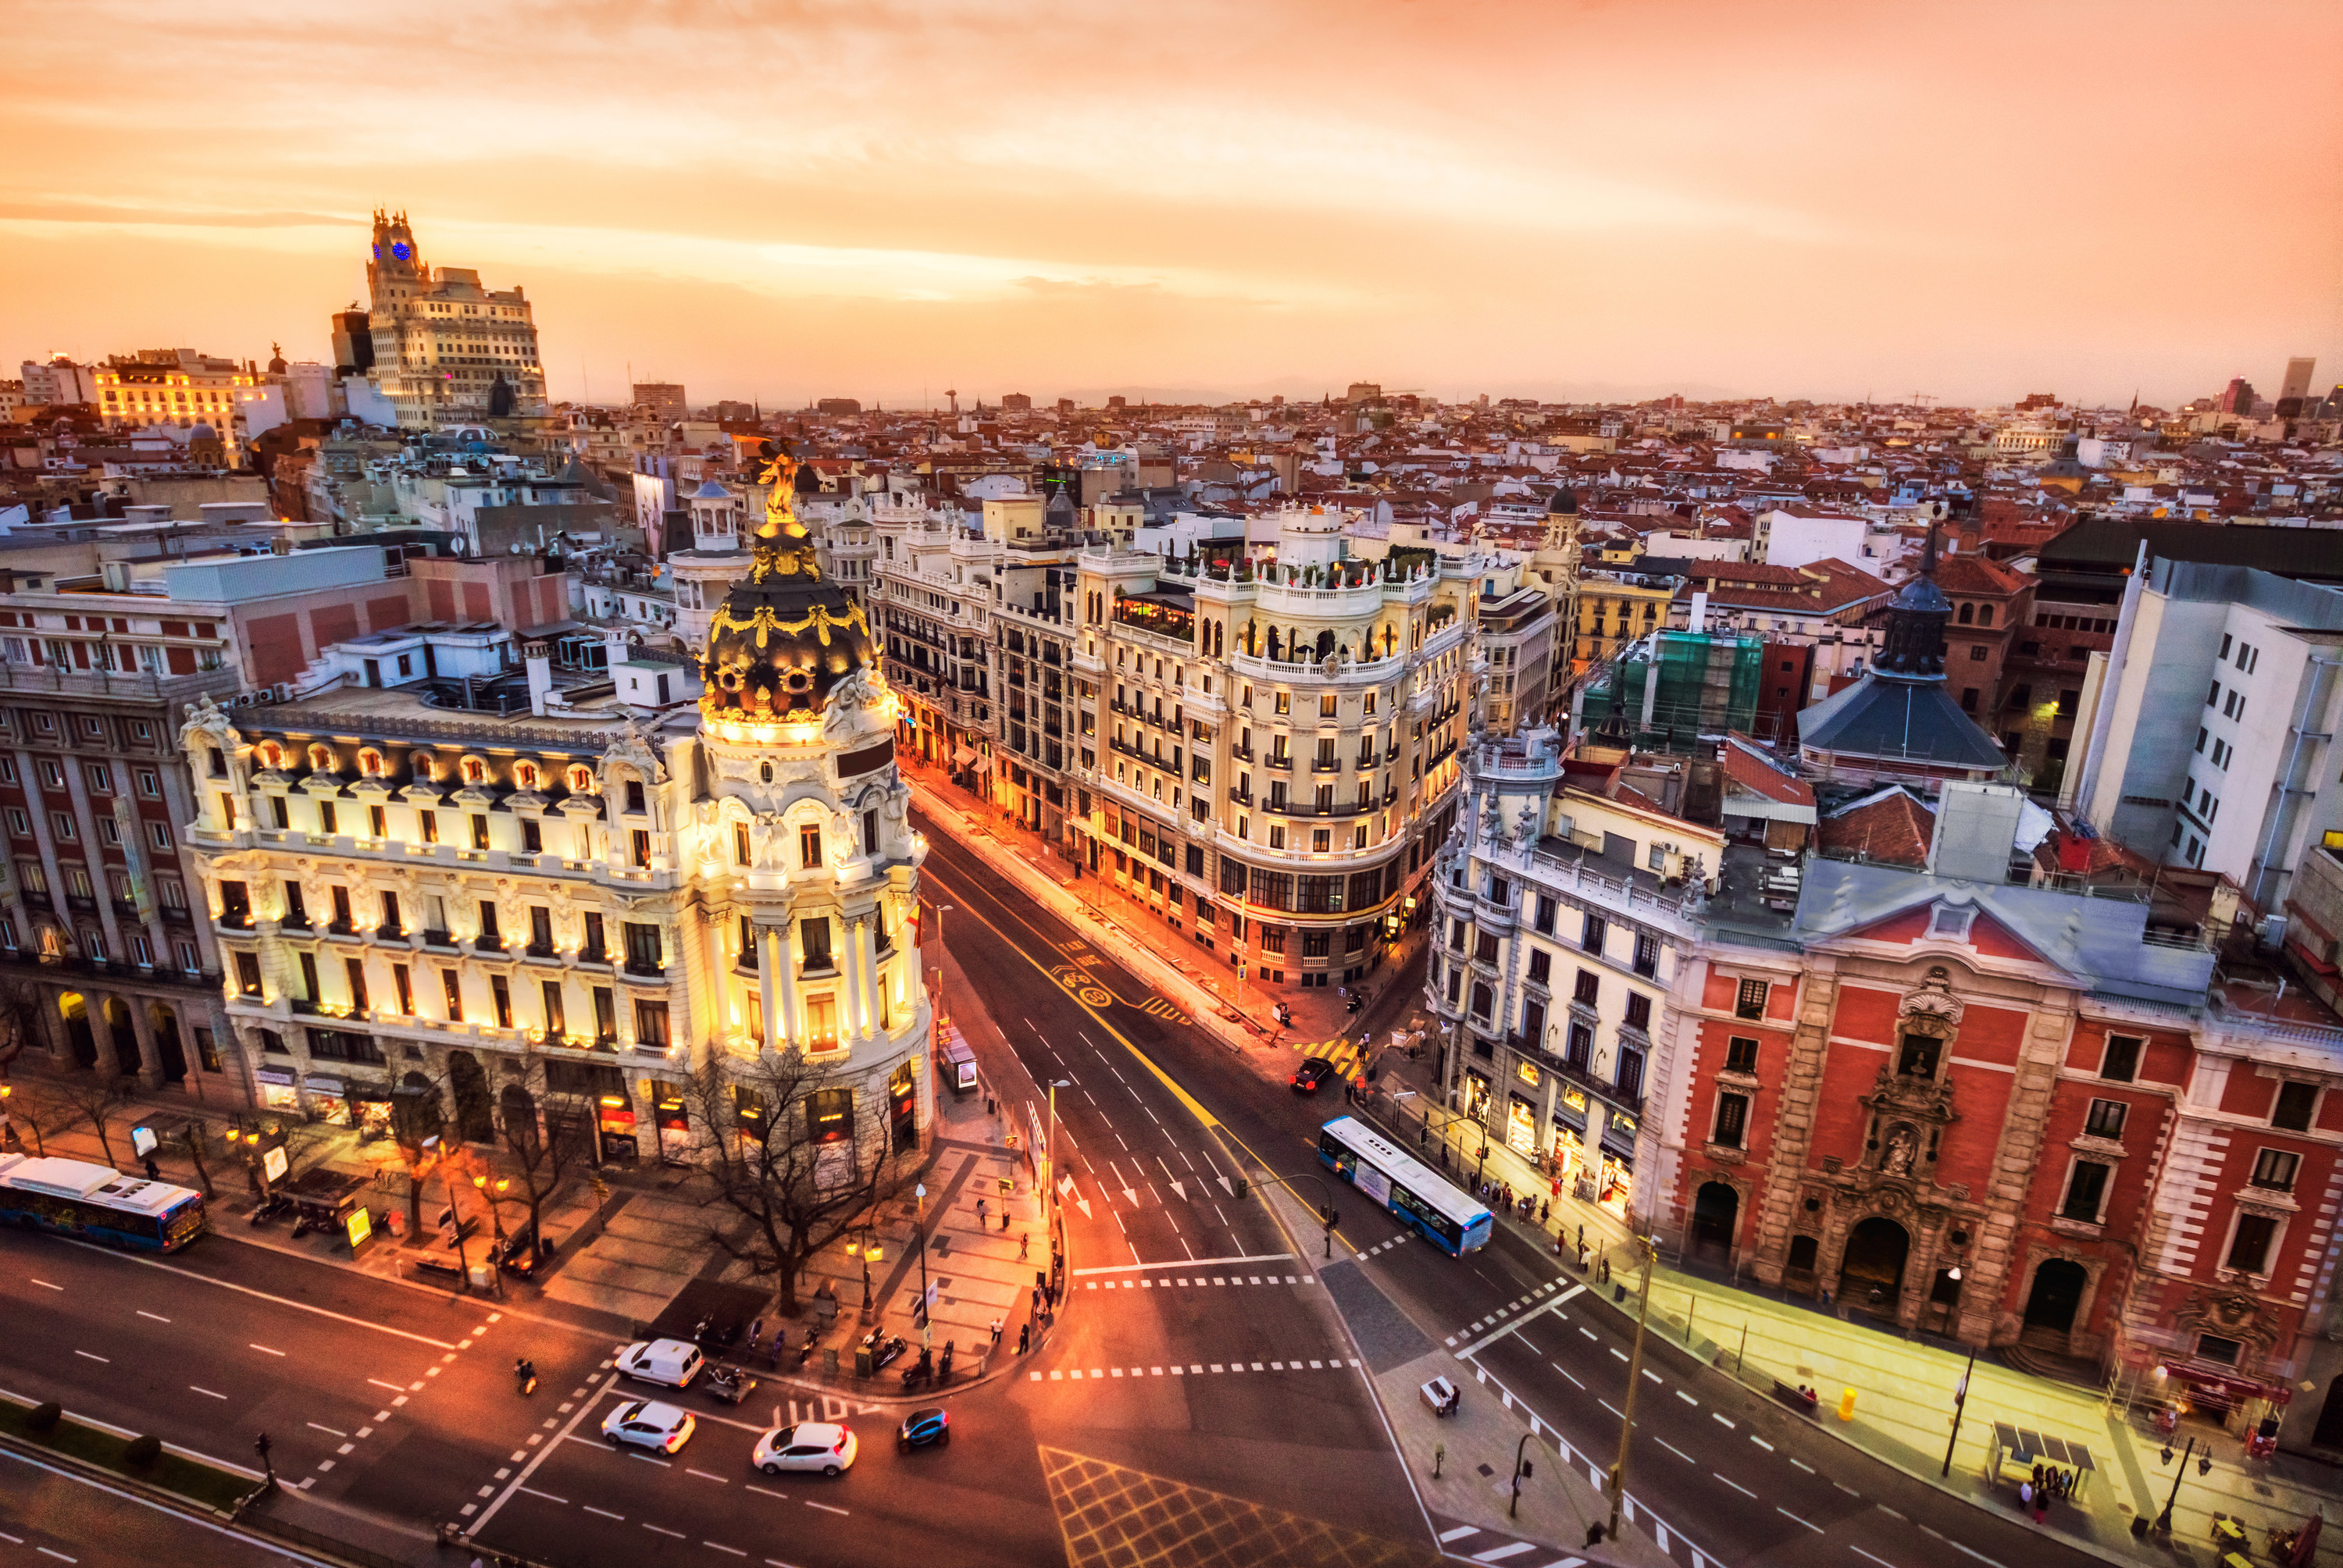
(674, 1363)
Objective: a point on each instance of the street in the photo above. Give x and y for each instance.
(1210, 1364)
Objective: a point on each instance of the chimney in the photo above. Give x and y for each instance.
(539, 661)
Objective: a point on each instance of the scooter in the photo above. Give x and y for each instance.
(730, 1384)
(883, 1350)
(525, 1376)
(805, 1351)
(920, 1372)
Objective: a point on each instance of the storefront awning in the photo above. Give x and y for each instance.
(965, 754)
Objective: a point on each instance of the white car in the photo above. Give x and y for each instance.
(645, 1423)
(809, 1445)
(674, 1363)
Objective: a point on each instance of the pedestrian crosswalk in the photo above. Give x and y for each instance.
(1343, 1053)
(1202, 1281)
(1386, 1246)
(1478, 1545)
(1194, 1369)
(1159, 1007)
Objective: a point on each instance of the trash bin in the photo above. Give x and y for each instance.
(484, 1276)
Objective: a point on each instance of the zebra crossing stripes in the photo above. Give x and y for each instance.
(1193, 1369)
(1342, 1053)
(1386, 1246)
(1478, 1545)
(1202, 1280)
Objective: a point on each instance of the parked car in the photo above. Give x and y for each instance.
(674, 1363)
(922, 1427)
(645, 1423)
(1313, 1072)
(809, 1445)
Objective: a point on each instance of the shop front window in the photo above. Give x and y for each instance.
(1521, 1125)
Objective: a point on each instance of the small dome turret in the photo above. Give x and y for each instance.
(784, 635)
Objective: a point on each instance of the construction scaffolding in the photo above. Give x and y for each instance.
(1674, 690)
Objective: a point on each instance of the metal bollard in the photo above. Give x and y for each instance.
(1846, 1404)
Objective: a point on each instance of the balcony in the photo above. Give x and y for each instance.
(640, 969)
(1281, 762)
(390, 932)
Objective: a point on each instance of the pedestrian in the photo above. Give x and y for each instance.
(2041, 1506)
(154, 1171)
(1037, 1301)
(1543, 1209)
(2038, 1482)
(1594, 1533)
(996, 1331)
(2025, 1496)
(979, 1213)
(1024, 1337)
(1023, 1243)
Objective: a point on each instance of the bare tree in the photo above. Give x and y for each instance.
(780, 1152)
(38, 1104)
(98, 1096)
(416, 1120)
(196, 1131)
(545, 1157)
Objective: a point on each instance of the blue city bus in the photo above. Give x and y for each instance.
(1435, 1208)
(98, 1204)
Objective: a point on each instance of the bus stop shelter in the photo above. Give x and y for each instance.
(2015, 1447)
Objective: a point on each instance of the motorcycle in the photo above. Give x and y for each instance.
(727, 1334)
(268, 1208)
(883, 1349)
(730, 1384)
(920, 1372)
(525, 1377)
(805, 1351)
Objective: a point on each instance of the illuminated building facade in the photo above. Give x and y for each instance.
(446, 349)
(493, 912)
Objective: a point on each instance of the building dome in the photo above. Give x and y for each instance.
(1563, 504)
(202, 432)
(784, 634)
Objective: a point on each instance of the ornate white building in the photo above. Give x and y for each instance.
(446, 349)
(413, 902)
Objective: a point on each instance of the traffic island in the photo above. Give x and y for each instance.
(49, 1432)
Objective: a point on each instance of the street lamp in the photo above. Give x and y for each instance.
(1635, 1379)
(920, 1233)
(2204, 1467)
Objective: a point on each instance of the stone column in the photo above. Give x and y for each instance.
(865, 994)
(1794, 1124)
(111, 1051)
(772, 978)
(150, 1050)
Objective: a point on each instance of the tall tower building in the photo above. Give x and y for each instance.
(2294, 392)
(446, 351)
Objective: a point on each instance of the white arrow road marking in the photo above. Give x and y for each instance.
(1183, 1192)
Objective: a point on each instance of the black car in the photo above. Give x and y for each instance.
(922, 1427)
(1314, 1072)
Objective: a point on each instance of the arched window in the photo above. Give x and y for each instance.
(426, 766)
(321, 758)
(581, 778)
(1985, 615)
(475, 770)
(371, 763)
(272, 754)
(1968, 615)
(525, 775)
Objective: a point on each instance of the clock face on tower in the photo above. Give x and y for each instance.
(399, 249)
(377, 253)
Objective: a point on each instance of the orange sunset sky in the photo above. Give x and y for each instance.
(781, 201)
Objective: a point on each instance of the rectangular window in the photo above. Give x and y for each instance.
(641, 841)
(490, 935)
(813, 935)
(1919, 1055)
(309, 978)
(1740, 1055)
(2121, 1062)
(651, 1025)
(452, 984)
(809, 847)
(479, 831)
(1540, 967)
(740, 843)
(354, 972)
(2249, 1249)
(2107, 1119)
(427, 824)
(555, 1027)
(1749, 1001)
(644, 954)
(391, 921)
(377, 822)
(1647, 955)
(2295, 1104)
(2274, 1170)
(404, 985)
(329, 819)
(1484, 948)
(1581, 1048)
(1639, 1011)
(1732, 1120)
(597, 947)
(501, 995)
(532, 836)
(1592, 938)
(248, 973)
(159, 835)
(541, 930)
(606, 1015)
(1542, 921)
(1589, 989)
(2084, 1190)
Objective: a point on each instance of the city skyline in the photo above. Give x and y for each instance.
(1830, 205)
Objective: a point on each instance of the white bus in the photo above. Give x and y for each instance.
(98, 1204)
(1437, 1209)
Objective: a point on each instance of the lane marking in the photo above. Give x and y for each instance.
(1803, 1465)
(1522, 1321)
(606, 1513)
(1761, 1443)
(761, 1491)
(1733, 1483)
(1714, 1416)
(393, 1387)
(719, 1480)
(1573, 1381)
(1872, 1556)
(257, 1295)
(156, 1316)
(1679, 1453)
(584, 1408)
(533, 1491)
(263, 1349)
(663, 1530)
(1787, 1514)
(201, 1390)
(315, 1427)
(824, 1507)
(1183, 1264)
(1979, 1555)
(45, 1283)
(719, 1546)
(87, 1356)
(1687, 1399)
